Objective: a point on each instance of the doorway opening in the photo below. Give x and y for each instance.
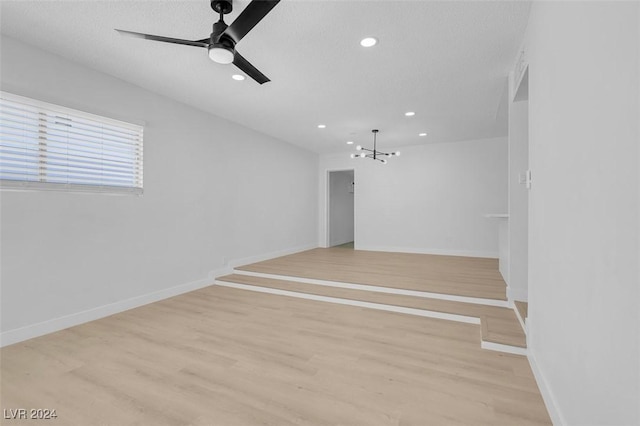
(341, 208)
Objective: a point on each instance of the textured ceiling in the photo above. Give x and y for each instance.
(446, 60)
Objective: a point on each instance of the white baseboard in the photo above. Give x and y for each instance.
(547, 394)
(234, 263)
(39, 329)
(443, 252)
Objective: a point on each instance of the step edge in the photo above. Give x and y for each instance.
(379, 289)
(501, 347)
(229, 278)
(350, 302)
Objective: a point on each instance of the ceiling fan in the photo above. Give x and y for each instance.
(221, 44)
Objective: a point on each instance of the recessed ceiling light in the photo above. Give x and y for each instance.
(410, 114)
(368, 42)
(422, 134)
(322, 126)
(238, 77)
(349, 142)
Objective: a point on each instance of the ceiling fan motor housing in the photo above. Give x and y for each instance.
(222, 6)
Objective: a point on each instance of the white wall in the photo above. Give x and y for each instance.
(431, 199)
(583, 240)
(503, 250)
(213, 191)
(518, 199)
(341, 214)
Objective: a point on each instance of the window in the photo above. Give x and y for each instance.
(46, 146)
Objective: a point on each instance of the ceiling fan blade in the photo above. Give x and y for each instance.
(244, 65)
(249, 17)
(198, 43)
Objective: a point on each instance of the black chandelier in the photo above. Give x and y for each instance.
(373, 153)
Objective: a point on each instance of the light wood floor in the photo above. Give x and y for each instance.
(222, 356)
(473, 277)
(499, 324)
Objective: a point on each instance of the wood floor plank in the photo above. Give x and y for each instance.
(472, 277)
(222, 356)
(523, 309)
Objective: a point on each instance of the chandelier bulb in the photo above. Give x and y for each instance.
(358, 148)
(353, 156)
(363, 155)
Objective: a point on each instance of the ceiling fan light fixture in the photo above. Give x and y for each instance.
(221, 54)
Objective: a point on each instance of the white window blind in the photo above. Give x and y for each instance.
(46, 146)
